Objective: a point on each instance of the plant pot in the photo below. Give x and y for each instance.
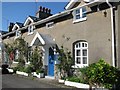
(40, 75)
(61, 81)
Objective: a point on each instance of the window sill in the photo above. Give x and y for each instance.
(79, 66)
(80, 20)
(30, 33)
(16, 37)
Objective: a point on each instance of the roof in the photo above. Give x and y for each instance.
(34, 18)
(42, 39)
(19, 24)
(55, 16)
(31, 19)
(3, 32)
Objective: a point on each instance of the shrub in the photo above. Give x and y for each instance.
(74, 79)
(15, 69)
(28, 69)
(39, 71)
(100, 74)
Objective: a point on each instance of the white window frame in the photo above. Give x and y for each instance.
(31, 29)
(81, 14)
(16, 56)
(81, 48)
(49, 25)
(17, 34)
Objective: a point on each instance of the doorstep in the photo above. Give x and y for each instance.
(50, 77)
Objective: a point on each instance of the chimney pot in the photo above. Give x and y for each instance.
(49, 11)
(43, 9)
(46, 10)
(40, 8)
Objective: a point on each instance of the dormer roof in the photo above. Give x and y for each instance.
(31, 19)
(17, 25)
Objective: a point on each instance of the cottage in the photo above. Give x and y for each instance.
(88, 28)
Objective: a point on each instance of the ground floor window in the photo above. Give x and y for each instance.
(81, 53)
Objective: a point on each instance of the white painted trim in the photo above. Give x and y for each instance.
(71, 4)
(15, 27)
(30, 29)
(50, 23)
(80, 20)
(39, 37)
(22, 73)
(10, 70)
(28, 19)
(78, 85)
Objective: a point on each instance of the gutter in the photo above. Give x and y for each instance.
(113, 39)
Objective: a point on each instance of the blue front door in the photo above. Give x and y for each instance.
(51, 63)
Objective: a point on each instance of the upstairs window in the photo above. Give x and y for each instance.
(79, 15)
(18, 34)
(30, 29)
(49, 25)
(81, 54)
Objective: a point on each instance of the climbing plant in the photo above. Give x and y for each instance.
(66, 62)
(21, 45)
(36, 59)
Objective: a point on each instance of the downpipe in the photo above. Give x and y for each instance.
(113, 40)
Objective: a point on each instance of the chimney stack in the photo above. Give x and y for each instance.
(43, 12)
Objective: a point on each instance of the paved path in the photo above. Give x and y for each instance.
(14, 81)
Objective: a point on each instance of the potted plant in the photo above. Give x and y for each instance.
(40, 73)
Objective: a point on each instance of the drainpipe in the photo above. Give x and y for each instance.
(113, 40)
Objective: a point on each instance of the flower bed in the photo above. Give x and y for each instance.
(75, 84)
(21, 73)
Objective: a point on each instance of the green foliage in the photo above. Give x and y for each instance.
(36, 59)
(74, 79)
(21, 45)
(15, 69)
(100, 74)
(66, 61)
(28, 69)
(39, 71)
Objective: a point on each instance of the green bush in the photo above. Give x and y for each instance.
(39, 71)
(100, 74)
(28, 69)
(15, 69)
(74, 79)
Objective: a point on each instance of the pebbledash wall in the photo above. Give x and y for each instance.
(96, 30)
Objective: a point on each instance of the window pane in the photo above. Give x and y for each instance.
(76, 45)
(84, 60)
(78, 60)
(79, 45)
(83, 45)
(83, 15)
(84, 10)
(78, 53)
(85, 52)
(77, 16)
(77, 11)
